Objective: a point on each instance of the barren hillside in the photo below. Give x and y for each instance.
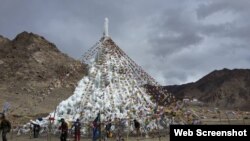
(34, 75)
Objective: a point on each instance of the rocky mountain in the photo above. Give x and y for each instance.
(34, 75)
(221, 88)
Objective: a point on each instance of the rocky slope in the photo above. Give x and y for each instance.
(34, 75)
(222, 88)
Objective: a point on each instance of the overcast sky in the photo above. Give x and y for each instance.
(176, 41)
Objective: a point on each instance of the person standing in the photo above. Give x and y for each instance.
(77, 126)
(36, 130)
(137, 127)
(64, 130)
(96, 127)
(108, 129)
(120, 127)
(5, 126)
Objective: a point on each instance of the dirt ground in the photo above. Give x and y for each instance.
(57, 138)
(14, 137)
(226, 122)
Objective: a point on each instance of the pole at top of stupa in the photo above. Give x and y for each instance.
(106, 27)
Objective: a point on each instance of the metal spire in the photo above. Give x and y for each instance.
(106, 27)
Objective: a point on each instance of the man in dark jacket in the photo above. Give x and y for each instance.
(36, 130)
(64, 130)
(137, 126)
(5, 126)
(77, 126)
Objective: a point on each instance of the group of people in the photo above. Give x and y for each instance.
(5, 127)
(120, 127)
(96, 130)
(64, 130)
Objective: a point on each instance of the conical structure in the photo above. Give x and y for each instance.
(114, 87)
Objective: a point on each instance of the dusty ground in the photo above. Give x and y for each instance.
(14, 137)
(56, 138)
(226, 122)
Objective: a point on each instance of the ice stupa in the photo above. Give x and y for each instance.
(114, 86)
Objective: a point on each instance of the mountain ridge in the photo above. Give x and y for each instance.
(223, 88)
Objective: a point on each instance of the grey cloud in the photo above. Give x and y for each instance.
(241, 32)
(222, 48)
(205, 10)
(238, 28)
(176, 75)
(169, 45)
(172, 40)
(214, 6)
(215, 30)
(173, 32)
